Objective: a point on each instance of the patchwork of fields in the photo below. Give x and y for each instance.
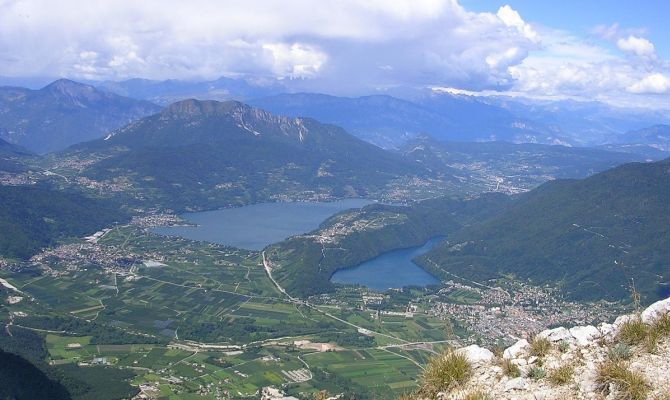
(211, 322)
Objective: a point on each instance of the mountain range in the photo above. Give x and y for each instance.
(511, 167)
(209, 154)
(389, 118)
(390, 122)
(580, 123)
(657, 137)
(64, 113)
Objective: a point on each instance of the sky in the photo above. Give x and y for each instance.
(615, 51)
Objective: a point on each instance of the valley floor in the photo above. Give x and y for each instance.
(194, 319)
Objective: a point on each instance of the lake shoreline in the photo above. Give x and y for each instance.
(399, 261)
(256, 226)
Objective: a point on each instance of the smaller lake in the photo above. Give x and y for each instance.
(255, 226)
(393, 269)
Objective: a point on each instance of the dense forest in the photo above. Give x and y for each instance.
(21, 380)
(594, 237)
(100, 334)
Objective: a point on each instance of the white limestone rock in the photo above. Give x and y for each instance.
(551, 363)
(606, 330)
(476, 354)
(656, 310)
(622, 320)
(585, 335)
(516, 384)
(556, 335)
(519, 362)
(516, 350)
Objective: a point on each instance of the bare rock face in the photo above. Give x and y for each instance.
(607, 331)
(556, 334)
(516, 350)
(516, 384)
(585, 335)
(476, 354)
(654, 311)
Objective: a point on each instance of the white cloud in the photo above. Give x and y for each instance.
(511, 18)
(568, 65)
(636, 45)
(336, 46)
(295, 61)
(573, 67)
(505, 58)
(417, 42)
(656, 83)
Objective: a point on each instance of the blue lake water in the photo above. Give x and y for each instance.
(393, 269)
(255, 226)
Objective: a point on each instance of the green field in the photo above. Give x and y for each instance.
(210, 295)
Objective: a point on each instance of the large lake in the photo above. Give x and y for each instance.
(393, 269)
(255, 226)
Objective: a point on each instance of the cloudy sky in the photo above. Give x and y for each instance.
(613, 50)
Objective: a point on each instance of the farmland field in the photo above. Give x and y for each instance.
(199, 320)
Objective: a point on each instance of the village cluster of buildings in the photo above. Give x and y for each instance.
(507, 314)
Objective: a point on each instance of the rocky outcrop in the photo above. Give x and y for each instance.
(516, 349)
(521, 374)
(476, 354)
(654, 311)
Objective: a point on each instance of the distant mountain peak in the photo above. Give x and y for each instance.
(656, 136)
(67, 86)
(74, 93)
(245, 117)
(204, 121)
(63, 113)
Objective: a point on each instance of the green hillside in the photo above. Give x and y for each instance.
(33, 217)
(11, 157)
(592, 236)
(19, 379)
